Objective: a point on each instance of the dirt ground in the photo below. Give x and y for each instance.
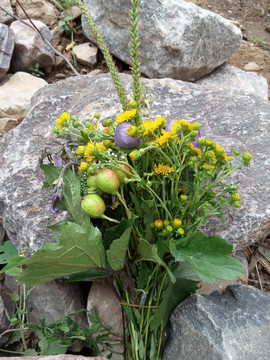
(253, 18)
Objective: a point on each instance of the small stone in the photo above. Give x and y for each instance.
(83, 71)
(252, 66)
(86, 54)
(41, 10)
(75, 12)
(102, 298)
(57, 35)
(60, 76)
(58, 61)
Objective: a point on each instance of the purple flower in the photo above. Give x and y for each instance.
(55, 199)
(122, 139)
(195, 143)
(58, 161)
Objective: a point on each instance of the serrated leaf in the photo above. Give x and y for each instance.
(72, 196)
(79, 248)
(50, 348)
(7, 250)
(149, 252)
(30, 352)
(172, 296)
(209, 257)
(117, 252)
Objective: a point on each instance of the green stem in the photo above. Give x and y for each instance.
(108, 58)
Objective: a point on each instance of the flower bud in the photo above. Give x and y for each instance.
(158, 224)
(132, 104)
(56, 129)
(107, 122)
(246, 158)
(97, 115)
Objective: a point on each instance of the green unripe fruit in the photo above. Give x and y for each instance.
(97, 115)
(108, 181)
(91, 181)
(93, 205)
(122, 174)
(107, 122)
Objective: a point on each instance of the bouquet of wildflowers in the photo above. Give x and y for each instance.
(138, 189)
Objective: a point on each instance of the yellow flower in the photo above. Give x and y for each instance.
(166, 222)
(163, 169)
(197, 151)
(226, 157)
(61, 119)
(219, 149)
(181, 125)
(100, 147)
(134, 155)
(165, 137)
(125, 116)
(89, 152)
(150, 125)
(180, 231)
(236, 196)
(80, 150)
(132, 131)
(183, 197)
(158, 224)
(83, 166)
(177, 222)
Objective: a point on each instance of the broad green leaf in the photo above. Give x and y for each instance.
(80, 248)
(209, 257)
(89, 274)
(72, 196)
(30, 352)
(51, 173)
(117, 251)
(7, 250)
(57, 229)
(172, 296)
(115, 232)
(50, 347)
(149, 252)
(12, 264)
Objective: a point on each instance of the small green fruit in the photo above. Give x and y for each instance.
(108, 181)
(122, 174)
(93, 205)
(91, 181)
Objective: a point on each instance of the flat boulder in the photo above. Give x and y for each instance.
(235, 119)
(234, 325)
(178, 39)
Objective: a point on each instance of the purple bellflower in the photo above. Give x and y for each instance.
(122, 139)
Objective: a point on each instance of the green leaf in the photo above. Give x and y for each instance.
(7, 250)
(172, 296)
(149, 252)
(209, 257)
(50, 348)
(115, 232)
(57, 229)
(72, 196)
(90, 274)
(30, 352)
(51, 173)
(117, 251)
(12, 264)
(80, 248)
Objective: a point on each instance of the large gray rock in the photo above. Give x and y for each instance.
(29, 46)
(234, 325)
(4, 17)
(177, 39)
(228, 76)
(6, 48)
(232, 118)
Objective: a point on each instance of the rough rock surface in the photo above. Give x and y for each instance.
(177, 39)
(16, 92)
(232, 118)
(29, 46)
(228, 76)
(41, 10)
(102, 298)
(4, 17)
(234, 325)
(7, 124)
(6, 48)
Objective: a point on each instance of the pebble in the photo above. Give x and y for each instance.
(252, 66)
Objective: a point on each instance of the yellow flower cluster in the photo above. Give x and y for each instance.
(165, 137)
(59, 122)
(125, 116)
(168, 227)
(149, 126)
(163, 169)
